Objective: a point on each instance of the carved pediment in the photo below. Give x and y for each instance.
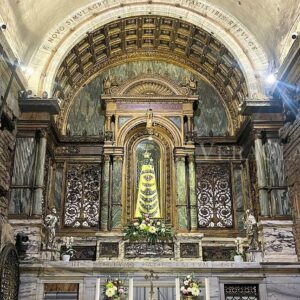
(149, 85)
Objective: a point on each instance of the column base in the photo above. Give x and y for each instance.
(277, 239)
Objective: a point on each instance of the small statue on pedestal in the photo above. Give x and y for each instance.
(149, 119)
(107, 83)
(251, 230)
(50, 223)
(193, 85)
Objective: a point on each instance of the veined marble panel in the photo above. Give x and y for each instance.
(210, 116)
(238, 197)
(58, 187)
(278, 243)
(20, 200)
(283, 288)
(24, 161)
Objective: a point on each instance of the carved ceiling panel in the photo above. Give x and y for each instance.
(153, 37)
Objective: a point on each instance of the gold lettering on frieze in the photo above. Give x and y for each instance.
(153, 106)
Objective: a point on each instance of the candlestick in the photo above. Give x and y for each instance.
(177, 286)
(130, 290)
(207, 291)
(97, 295)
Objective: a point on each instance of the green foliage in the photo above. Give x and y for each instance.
(146, 229)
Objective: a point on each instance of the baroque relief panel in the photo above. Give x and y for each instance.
(214, 196)
(81, 208)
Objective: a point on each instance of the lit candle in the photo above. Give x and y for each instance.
(97, 295)
(130, 290)
(177, 286)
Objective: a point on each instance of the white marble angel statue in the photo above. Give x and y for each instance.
(50, 223)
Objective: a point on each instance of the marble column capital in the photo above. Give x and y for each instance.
(191, 158)
(117, 158)
(258, 134)
(41, 133)
(179, 158)
(106, 158)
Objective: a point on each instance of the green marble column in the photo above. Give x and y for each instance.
(192, 191)
(181, 204)
(37, 204)
(105, 193)
(116, 213)
(262, 176)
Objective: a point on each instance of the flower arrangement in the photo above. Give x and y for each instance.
(190, 287)
(239, 251)
(149, 230)
(69, 250)
(114, 289)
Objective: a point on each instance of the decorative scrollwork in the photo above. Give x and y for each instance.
(214, 196)
(241, 291)
(82, 196)
(189, 250)
(134, 250)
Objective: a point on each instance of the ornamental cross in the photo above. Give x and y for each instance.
(151, 277)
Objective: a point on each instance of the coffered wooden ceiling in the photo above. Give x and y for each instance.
(153, 37)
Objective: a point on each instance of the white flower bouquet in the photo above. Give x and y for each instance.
(190, 287)
(150, 230)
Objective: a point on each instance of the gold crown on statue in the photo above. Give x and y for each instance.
(147, 154)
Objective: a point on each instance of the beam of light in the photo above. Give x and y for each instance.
(271, 79)
(287, 85)
(284, 90)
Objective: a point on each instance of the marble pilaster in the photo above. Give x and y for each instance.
(105, 193)
(116, 213)
(39, 173)
(279, 199)
(181, 193)
(89, 288)
(262, 176)
(192, 191)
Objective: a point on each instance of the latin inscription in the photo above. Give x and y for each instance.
(199, 7)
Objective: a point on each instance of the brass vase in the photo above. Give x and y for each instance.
(188, 297)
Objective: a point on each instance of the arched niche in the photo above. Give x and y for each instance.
(164, 140)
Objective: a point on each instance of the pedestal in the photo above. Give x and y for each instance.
(277, 239)
(254, 256)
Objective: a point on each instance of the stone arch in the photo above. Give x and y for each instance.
(248, 52)
(163, 137)
(172, 131)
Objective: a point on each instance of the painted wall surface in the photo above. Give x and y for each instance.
(86, 114)
(210, 117)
